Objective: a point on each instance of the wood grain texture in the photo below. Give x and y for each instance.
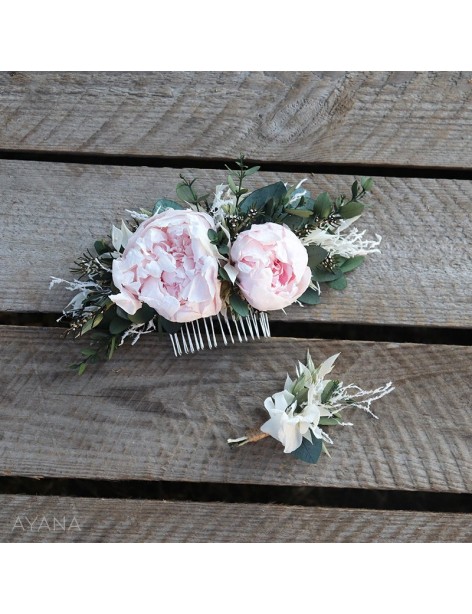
(147, 415)
(43, 519)
(384, 118)
(51, 213)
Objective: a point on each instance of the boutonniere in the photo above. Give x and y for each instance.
(307, 404)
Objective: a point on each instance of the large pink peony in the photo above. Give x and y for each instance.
(272, 266)
(170, 264)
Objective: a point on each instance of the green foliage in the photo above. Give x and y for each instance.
(239, 305)
(309, 452)
(186, 192)
(223, 274)
(340, 283)
(102, 346)
(316, 255)
(351, 263)
(102, 247)
(237, 176)
(310, 297)
(351, 209)
(164, 203)
(300, 212)
(213, 236)
(264, 199)
(118, 326)
(143, 315)
(329, 421)
(322, 205)
(329, 390)
(320, 275)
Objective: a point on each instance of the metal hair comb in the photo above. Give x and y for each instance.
(189, 338)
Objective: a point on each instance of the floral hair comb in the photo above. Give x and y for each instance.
(214, 266)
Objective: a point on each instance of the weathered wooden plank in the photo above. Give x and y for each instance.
(385, 118)
(147, 415)
(50, 213)
(74, 519)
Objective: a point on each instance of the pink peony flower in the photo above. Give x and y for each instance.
(272, 266)
(170, 264)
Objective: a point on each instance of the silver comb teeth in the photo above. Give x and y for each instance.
(190, 339)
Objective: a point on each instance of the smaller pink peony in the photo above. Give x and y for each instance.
(170, 264)
(272, 266)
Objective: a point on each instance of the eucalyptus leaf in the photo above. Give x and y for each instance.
(164, 203)
(203, 197)
(238, 305)
(101, 247)
(351, 209)
(316, 255)
(309, 452)
(213, 236)
(338, 284)
(223, 274)
(310, 297)
(118, 326)
(367, 183)
(143, 315)
(292, 221)
(224, 250)
(355, 190)
(122, 313)
(352, 263)
(82, 368)
(260, 198)
(185, 193)
(322, 275)
(322, 205)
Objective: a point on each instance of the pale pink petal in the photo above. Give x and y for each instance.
(127, 302)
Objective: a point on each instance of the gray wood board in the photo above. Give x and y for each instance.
(74, 519)
(51, 213)
(148, 415)
(388, 118)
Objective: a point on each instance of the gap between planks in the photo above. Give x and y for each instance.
(307, 496)
(374, 170)
(300, 330)
(148, 416)
(56, 519)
